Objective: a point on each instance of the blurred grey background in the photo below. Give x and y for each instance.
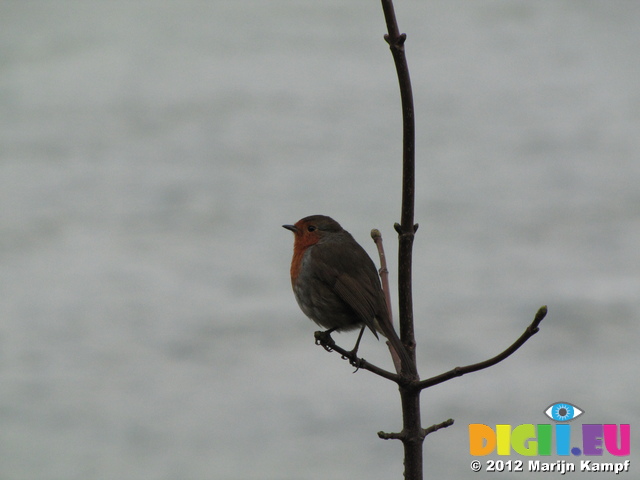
(150, 151)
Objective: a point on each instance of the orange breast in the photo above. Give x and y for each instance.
(300, 247)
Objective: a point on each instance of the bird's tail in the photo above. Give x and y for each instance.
(385, 328)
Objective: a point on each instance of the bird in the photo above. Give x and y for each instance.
(336, 284)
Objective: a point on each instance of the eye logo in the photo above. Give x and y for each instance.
(563, 412)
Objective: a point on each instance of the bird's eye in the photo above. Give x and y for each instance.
(311, 228)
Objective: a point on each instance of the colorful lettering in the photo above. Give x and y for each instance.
(611, 439)
(530, 440)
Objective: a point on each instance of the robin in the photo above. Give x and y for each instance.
(336, 284)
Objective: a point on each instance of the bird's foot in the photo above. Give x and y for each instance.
(352, 355)
(324, 339)
(354, 360)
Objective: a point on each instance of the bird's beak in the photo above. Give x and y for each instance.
(293, 228)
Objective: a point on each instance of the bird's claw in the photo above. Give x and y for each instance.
(354, 361)
(324, 339)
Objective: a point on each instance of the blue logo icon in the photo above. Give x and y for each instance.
(563, 412)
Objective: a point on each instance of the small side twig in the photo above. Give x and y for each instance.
(384, 278)
(425, 431)
(383, 271)
(435, 428)
(390, 436)
(530, 331)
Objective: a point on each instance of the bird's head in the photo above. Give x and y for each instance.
(311, 230)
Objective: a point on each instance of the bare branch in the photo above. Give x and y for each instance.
(405, 228)
(531, 330)
(324, 339)
(410, 398)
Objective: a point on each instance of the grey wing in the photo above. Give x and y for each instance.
(362, 295)
(361, 301)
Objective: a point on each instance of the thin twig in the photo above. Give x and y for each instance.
(530, 331)
(435, 428)
(384, 272)
(425, 431)
(384, 277)
(390, 436)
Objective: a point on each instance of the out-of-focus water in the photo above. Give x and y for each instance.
(150, 151)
